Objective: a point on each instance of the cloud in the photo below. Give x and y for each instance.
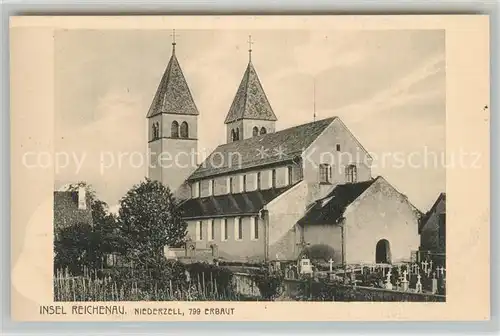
(387, 86)
(107, 146)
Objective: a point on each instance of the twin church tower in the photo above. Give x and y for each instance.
(173, 121)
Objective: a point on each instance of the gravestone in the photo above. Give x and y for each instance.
(434, 284)
(305, 266)
(388, 284)
(404, 282)
(418, 286)
(353, 275)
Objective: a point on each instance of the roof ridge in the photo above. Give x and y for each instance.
(187, 85)
(276, 133)
(245, 92)
(275, 147)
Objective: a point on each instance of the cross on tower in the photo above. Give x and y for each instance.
(250, 42)
(174, 35)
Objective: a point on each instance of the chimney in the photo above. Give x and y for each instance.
(82, 198)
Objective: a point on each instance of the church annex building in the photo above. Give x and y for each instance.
(291, 192)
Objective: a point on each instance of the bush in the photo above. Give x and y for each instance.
(269, 285)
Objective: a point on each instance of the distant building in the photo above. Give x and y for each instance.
(71, 207)
(433, 227)
(266, 194)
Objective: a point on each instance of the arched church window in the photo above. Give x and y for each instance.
(351, 173)
(174, 129)
(263, 131)
(255, 131)
(184, 130)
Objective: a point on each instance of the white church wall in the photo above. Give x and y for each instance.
(324, 150)
(381, 212)
(284, 212)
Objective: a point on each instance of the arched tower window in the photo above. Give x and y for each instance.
(156, 131)
(255, 131)
(233, 135)
(263, 131)
(174, 133)
(184, 130)
(237, 134)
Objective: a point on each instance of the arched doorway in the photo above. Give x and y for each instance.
(383, 252)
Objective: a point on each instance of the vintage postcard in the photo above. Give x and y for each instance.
(250, 168)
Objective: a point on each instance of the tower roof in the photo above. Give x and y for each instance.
(250, 101)
(173, 94)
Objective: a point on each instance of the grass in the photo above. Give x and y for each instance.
(91, 288)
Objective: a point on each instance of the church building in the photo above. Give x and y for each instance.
(269, 194)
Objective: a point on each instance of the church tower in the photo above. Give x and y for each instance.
(173, 128)
(250, 113)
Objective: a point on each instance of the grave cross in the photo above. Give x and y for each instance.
(424, 265)
(430, 264)
(331, 264)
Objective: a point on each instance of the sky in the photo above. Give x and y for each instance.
(388, 87)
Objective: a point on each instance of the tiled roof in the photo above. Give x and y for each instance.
(276, 147)
(230, 204)
(173, 94)
(66, 212)
(250, 101)
(331, 208)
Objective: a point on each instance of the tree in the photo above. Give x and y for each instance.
(73, 248)
(150, 219)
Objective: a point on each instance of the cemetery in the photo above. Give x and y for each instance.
(425, 279)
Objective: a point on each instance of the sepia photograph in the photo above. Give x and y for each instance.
(250, 168)
(261, 173)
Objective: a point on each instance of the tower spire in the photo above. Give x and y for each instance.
(250, 48)
(173, 41)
